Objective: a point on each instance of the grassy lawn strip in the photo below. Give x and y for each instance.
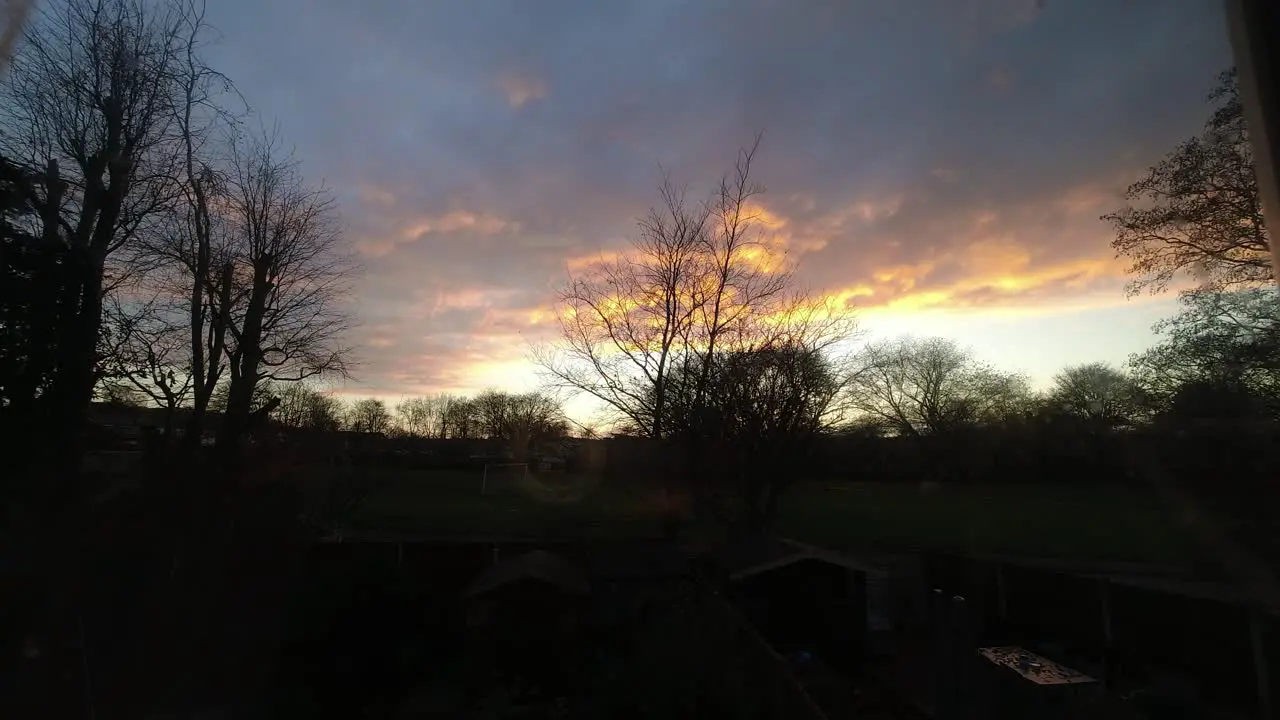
(1110, 524)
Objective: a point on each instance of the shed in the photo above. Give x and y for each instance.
(806, 600)
(536, 566)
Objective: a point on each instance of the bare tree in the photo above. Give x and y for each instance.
(194, 246)
(624, 320)
(421, 416)
(743, 278)
(369, 415)
(305, 407)
(459, 418)
(922, 386)
(89, 99)
(288, 271)
(149, 352)
(699, 277)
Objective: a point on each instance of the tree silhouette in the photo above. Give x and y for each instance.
(88, 102)
(1197, 212)
(1229, 340)
(369, 415)
(305, 407)
(699, 278)
(922, 386)
(1096, 392)
(288, 271)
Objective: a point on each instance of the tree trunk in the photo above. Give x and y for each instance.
(206, 373)
(75, 376)
(244, 376)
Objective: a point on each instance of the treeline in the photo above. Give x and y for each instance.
(488, 415)
(1218, 362)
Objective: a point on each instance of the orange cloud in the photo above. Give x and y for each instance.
(454, 221)
(778, 239)
(458, 220)
(992, 274)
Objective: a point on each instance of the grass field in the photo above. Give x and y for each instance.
(1044, 521)
(1032, 520)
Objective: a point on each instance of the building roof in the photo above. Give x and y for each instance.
(783, 553)
(534, 565)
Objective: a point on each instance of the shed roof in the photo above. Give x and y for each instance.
(783, 553)
(534, 565)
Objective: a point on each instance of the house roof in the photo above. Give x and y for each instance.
(534, 565)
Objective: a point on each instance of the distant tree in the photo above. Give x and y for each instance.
(519, 418)
(369, 415)
(306, 407)
(459, 418)
(1096, 392)
(921, 386)
(1197, 212)
(120, 392)
(421, 416)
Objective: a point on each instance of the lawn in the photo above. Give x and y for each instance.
(451, 505)
(1048, 521)
(1034, 520)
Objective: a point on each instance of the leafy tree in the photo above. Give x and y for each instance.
(1197, 212)
(30, 281)
(1096, 392)
(921, 386)
(1224, 340)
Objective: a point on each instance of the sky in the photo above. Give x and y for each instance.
(943, 163)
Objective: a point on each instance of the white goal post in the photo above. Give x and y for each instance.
(484, 480)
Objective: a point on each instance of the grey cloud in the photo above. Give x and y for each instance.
(1016, 105)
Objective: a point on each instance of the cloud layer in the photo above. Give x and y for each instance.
(934, 156)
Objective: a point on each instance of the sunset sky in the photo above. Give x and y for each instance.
(942, 162)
